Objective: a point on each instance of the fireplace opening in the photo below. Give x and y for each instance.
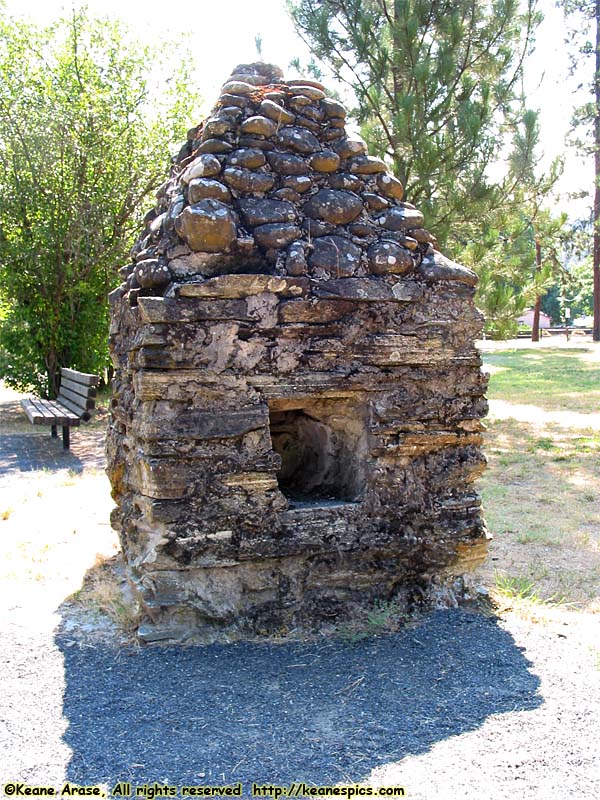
(322, 453)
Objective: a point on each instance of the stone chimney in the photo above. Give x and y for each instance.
(295, 424)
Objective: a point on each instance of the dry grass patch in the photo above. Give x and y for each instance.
(58, 524)
(105, 591)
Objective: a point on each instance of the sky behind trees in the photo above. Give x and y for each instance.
(221, 36)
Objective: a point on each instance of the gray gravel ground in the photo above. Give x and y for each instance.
(461, 705)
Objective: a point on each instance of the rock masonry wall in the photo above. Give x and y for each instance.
(295, 424)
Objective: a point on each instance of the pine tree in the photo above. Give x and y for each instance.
(519, 254)
(434, 82)
(585, 33)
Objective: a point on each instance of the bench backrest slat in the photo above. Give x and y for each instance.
(80, 377)
(76, 409)
(84, 403)
(78, 388)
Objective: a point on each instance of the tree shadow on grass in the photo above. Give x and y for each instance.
(320, 712)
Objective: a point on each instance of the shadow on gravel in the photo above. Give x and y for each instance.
(28, 452)
(321, 712)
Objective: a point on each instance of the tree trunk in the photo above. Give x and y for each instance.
(535, 328)
(53, 372)
(596, 330)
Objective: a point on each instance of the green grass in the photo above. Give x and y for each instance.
(517, 587)
(540, 491)
(547, 378)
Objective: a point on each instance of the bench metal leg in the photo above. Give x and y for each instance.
(54, 432)
(66, 441)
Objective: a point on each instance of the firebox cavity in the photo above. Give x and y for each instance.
(321, 450)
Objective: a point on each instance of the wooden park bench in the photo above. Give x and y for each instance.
(74, 404)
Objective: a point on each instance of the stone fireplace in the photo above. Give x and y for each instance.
(295, 423)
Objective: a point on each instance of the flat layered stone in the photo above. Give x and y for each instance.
(163, 309)
(331, 205)
(315, 310)
(239, 286)
(371, 290)
(198, 424)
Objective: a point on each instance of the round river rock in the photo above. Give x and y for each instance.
(333, 206)
(335, 254)
(207, 226)
(386, 256)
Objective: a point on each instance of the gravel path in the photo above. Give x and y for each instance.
(458, 706)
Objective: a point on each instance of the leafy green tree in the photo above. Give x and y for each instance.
(84, 138)
(434, 82)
